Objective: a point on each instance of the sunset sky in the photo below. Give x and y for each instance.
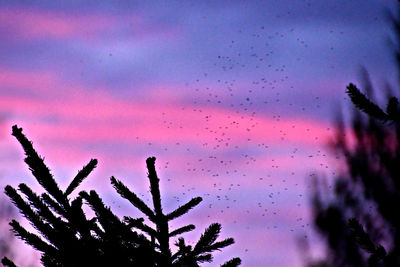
(235, 99)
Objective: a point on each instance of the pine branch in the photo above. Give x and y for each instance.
(232, 263)
(161, 220)
(38, 167)
(138, 223)
(392, 109)
(95, 227)
(117, 234)
(56, 231)
(32, 239)
(361, 237)
(221, 244)
(364, 104)
(363, 240)
(78, 220)
(43, 211)
(108, 220)
(19, 202)
(7, 262)
(184, 208)
(204, 258)
(133, 198)
(76, 207)
(130, 220)
(154, 185)
(183, 250)
(53, 204)
(105, 217)
(207, 238)
(82, 174)
(181, 230)
(28, 213)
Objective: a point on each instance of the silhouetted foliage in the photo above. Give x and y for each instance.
(7, 211)
(68, 238)
(361, 223)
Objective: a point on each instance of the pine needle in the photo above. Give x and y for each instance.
(364, 104)
(232, 263)
(82, 174)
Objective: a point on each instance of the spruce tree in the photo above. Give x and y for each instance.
(361, 223)
(68, 238)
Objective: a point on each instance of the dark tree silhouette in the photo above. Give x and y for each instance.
(361, 222)
(68, 238)
(7, 239)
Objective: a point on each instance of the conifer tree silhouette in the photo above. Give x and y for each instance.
(7, 239)
(361, 224)
(160, 236)
(69, 238)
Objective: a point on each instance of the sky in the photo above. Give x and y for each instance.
(235, 99)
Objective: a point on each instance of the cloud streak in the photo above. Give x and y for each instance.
(29, 23)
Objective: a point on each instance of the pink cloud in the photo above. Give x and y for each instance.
(155, 120)
(30, 23)
(33, 24)
(96, 116)
(115, 119)
(33, 81)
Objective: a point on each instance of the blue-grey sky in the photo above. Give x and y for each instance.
(234, 98)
